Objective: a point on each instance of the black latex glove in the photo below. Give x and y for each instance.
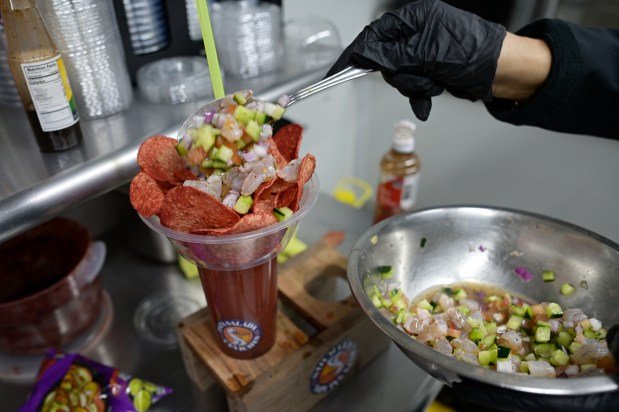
(428, 46)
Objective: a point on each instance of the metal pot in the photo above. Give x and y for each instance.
(56, 294)
(509, 238)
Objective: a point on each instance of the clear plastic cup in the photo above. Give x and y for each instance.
(239, 277)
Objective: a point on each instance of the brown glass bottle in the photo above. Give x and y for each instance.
(40, 76)
(399, 174)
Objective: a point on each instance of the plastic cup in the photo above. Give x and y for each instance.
(239, 277)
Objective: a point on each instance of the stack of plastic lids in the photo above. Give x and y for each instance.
(87, 35)
(147, 24)
(8, 90)
(248, 35)
(193, 23)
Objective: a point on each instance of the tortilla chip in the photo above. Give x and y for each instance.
(266, 202)
(280, 185)
(145, 195)
(286, 197)
(187, 209)
(280, 161)
(306, 170)
(248, 223)
(158, 157)
(182, 175)
(288, 141)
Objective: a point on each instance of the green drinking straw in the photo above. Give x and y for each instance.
(211, 50)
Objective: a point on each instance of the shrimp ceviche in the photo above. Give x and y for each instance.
(493, 329)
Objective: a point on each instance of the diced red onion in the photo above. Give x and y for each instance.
(267, 131)
(480, 294)
(523, 273)
(554, 324)
(482, 248)
(198, 121)
(261, 150)
(571, 370)
(208, 117)
(250, 156)
(283, 101)
(595, 324)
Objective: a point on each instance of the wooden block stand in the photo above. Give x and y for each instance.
(301, 368)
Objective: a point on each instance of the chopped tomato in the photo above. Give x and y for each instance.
(196, 155)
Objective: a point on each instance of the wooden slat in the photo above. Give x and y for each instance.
(321, 259)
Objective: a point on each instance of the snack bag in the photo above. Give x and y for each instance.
(72, 383)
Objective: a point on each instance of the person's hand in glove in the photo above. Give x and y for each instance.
(428, 46)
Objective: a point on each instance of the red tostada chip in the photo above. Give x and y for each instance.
(248, 223)
(145, 195)
(286, 197)
(158, 157)
(187, 209)
(288, 141)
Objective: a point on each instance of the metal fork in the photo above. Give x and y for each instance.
(348, 73)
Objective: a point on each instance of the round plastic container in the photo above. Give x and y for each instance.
(239, 277)
(175, 80)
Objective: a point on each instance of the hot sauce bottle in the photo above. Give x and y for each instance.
(41, 77)
(399, 174)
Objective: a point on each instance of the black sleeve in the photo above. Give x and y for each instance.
(581, 94)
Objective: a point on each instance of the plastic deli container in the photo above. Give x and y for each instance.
(50, 290)
(239, 277)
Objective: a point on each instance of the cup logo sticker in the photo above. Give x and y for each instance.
(333, 368)
(239, 335)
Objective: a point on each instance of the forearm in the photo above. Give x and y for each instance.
(523, 66)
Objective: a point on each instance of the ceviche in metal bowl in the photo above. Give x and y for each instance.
(492, 328)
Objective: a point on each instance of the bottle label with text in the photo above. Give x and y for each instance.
(398, 192)
(51, 93)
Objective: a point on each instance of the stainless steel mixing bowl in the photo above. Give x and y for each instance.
(508, 238)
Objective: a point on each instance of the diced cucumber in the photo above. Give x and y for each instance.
(376, 301)
(514, 322)
(601, 334)
(243, 114)
(503, 352)
(424, 304)
(528, 311)
(274, 110)
(542, 323)
(488, 340)
(243, 204)
(206, 138)
(387, 303)
(567, 289)
(542, 334)
(395, 294)
(253, 129)
(476, 334)
(240, 144)
(530, 357)
(464, 310)
(401, 316)
(459, 294)
(523, 368)
(571, 331)
(491, 298)
(553, 310)
(239, 98)
(193, 133)
(559, 358)
(223, 154)
(282, 213)
(386, 272)
(544, 349)
(548, 276)
(590, 334)
(574, 346)
(218, 164)
(517, 310)
(490, 328)
(487, 357)
(260, 118)
(584, 368)
(217, 172)
(181, 149)
(207, 163)
(564, 339)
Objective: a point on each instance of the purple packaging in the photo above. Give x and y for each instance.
(69, 382)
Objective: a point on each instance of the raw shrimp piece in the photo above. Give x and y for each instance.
(573, 316)
(541, 369)
(590, 353)
(465, 345)
(442, 345)
(445, 302)
(512, 340)
(456, 317)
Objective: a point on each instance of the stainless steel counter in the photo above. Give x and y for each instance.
(391, 382)
(36, 186)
